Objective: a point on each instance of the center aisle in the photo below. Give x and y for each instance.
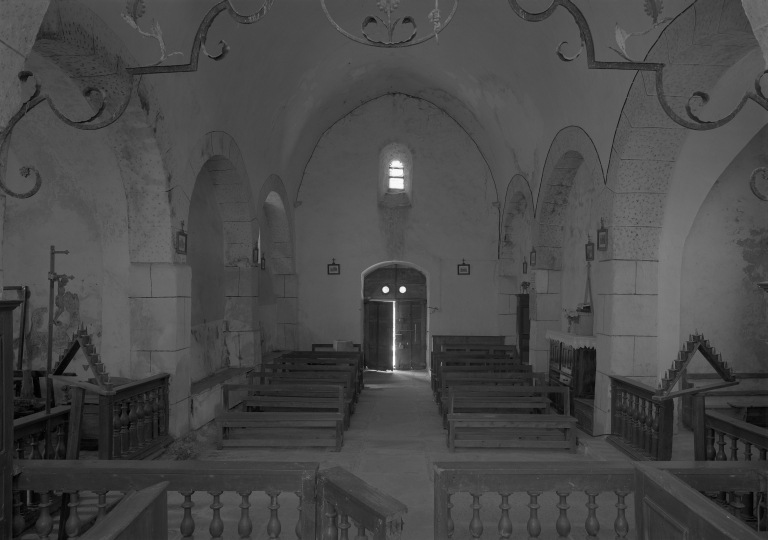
(394, 438)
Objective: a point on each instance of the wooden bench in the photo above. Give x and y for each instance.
(315, 419)
(493, 430)
(466, 359)
(488, 380)
(483, 348)
(324, 364)
(311, 378)
(331, 355)
(478, 368)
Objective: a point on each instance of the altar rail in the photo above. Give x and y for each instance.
(677, 482)
(342, 496)
(640, 427)
(29, 434)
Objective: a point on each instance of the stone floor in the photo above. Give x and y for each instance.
(394, 438)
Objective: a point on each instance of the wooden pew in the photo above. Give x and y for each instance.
(456, 358)
(270, 374)
(358, 356)
(482, 348)
(307, 415)
(480, 378)
(484, 364)
(492, 430)
(349, 364)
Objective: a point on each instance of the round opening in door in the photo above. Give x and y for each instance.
(402, 289)
(385, 289)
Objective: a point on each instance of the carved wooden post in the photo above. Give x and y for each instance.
(216, 529)
(44, 524)
(116, 439)
(140, 420)
(187, 527)
(245, 526)
(476, 525)
(621, 526)
(451, 525)
(331, 532)
(534, 525)
(132, 419)
(505, 524)
(592, 525)
(73, 524)
(273, 526)
(125, 439)
(699, 426)
(298, 522)
(148, 430)
(563, 525)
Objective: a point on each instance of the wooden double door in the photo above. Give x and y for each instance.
(396, 334)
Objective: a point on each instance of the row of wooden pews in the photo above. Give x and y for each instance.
(298, 398)
(488, 399)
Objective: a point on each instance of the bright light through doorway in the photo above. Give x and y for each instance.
(394, 333)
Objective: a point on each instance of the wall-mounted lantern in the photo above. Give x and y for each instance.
(334, 269)
(263, 262)
(181, 241)
(533, 257)
(255, 257)
(602, 237)
(589, 249)
(525, 265)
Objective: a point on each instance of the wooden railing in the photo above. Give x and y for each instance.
(640, 426)
(29, 434)
(343, 496)
(746, 443)
(133, 418)
(590, 483)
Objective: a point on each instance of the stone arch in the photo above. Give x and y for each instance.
(516, 219)
(572, 161)
(278, 302)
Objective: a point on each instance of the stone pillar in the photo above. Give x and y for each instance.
(243, 336)
(161, 310)
(286, 288)
(545, 313)
(506, 309)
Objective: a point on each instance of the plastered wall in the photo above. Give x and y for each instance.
(452, 217)
(726, 254)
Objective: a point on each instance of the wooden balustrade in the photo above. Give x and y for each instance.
(604, 483)
(214, 478)
(640, 426)
(724, 438)
(133, 418)
(343, 497)
(345, 500)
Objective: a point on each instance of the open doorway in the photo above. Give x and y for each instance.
(395, 318)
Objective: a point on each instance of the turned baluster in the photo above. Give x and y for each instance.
(534, 525)
(133, 439)
(505, 524)
(451, 526)
(635, 423)
(563, 525)
(711, 445)
(331, 531)
(140, 420)
(640, 429)
(361, 533)
(343, 526)
(115, 431)
(216, 528)
(187, 526)
(72, 527)
(301, 510)
(60, 452)
(17, 525)
(148, 430)
(244, 526)
(649, 430)
(476, 525)
(592, 525)
(621, 525)
(273, 526)
(735, 505)
(102, 505)
(35, 443)
(125, 440)
(630, 418)
(162, 398)
(44, 523)
(624, 415)
(721, 444)
(655, 430)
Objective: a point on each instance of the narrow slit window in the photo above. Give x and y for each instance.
(396, 175)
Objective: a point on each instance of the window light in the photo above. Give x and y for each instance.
(402, 290)
(396, 174)
(385, 289)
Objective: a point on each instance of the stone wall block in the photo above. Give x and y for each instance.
(708, 13)
(287, 310)
(550, 214)
(239, 312)
(508, 268)
(19, 23)
(231, 281)
(281, 265)
(633, 315)
(647, 277)
(562, 176)
(622, 275)
(659, 53)
(175, 363)
(616, 354)
(248, 349)
(539, 340)
(645, 111)
(278, 285)
(152, 244)
(548, 307)
(679, 36)
(229, 193)
(238, 232)
(291, 337)
(542, 281)
(238, 254)
(683, 80)
(226, 177)
(639, 176)
(232, 343)
(502, 304)
(235, 211)
(634, 243)
(507, 324)
(652, 143)
(158, 324)
(141, 366)
(205, 406)
(171, 280)
(550, 236)
(557, 195)
(549, 258)
(249, 281)
(291, 286)
(140, 280)
(179, 418)
(646, 357)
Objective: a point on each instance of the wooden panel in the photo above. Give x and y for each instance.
(378, 335)
(142, 514)
(6, 415)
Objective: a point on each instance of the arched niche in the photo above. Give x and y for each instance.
(515, 236)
